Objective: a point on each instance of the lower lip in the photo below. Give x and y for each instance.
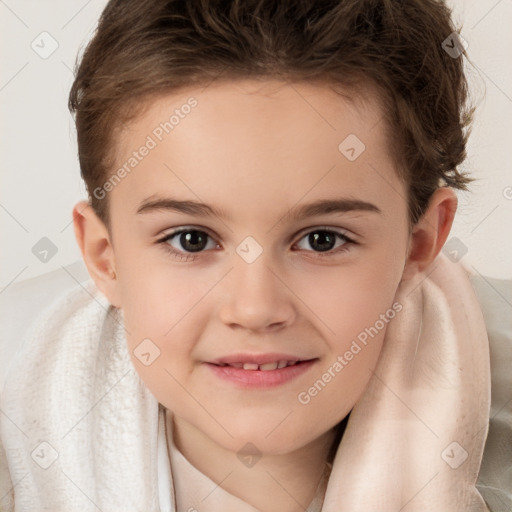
(261, 378)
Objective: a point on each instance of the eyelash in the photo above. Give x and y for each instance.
(187, 256)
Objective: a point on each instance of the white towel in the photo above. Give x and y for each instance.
(80, 429)
(81, 432)
(414, 441)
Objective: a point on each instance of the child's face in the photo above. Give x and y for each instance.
(256, 155)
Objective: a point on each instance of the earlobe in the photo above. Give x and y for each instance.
(431, 231)
(97, 251)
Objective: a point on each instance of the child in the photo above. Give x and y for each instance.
(270, 324)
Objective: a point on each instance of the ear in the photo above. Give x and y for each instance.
(97, 250)
(431, 231)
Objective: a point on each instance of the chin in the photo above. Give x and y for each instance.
(267, 439)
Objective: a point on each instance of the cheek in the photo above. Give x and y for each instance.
(158, 293)
(355, 306)
(359, 319)
(338, 385)
(161, 305)
(157, 311)
(350, 298)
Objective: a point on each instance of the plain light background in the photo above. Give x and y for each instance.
(40, 177)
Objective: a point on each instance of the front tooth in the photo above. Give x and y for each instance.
(269, 366)
(282, 364)
(291, 363)
(236, 365)
(250, 366)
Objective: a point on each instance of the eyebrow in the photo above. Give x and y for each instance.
(320, 207)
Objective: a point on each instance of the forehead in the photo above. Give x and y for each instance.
(263, 108)
(251, 138)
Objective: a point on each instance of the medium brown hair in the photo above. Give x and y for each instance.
(146, 48)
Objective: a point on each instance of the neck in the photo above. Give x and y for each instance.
(286, 482)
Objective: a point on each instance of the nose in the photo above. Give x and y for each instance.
(256, 298)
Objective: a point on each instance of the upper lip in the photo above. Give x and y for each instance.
(258, 358)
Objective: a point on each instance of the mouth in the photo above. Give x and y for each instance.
(260, 371)
(262, 367)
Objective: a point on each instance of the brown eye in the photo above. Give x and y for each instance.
(189, 240)
(323, 240)
(193, 241)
